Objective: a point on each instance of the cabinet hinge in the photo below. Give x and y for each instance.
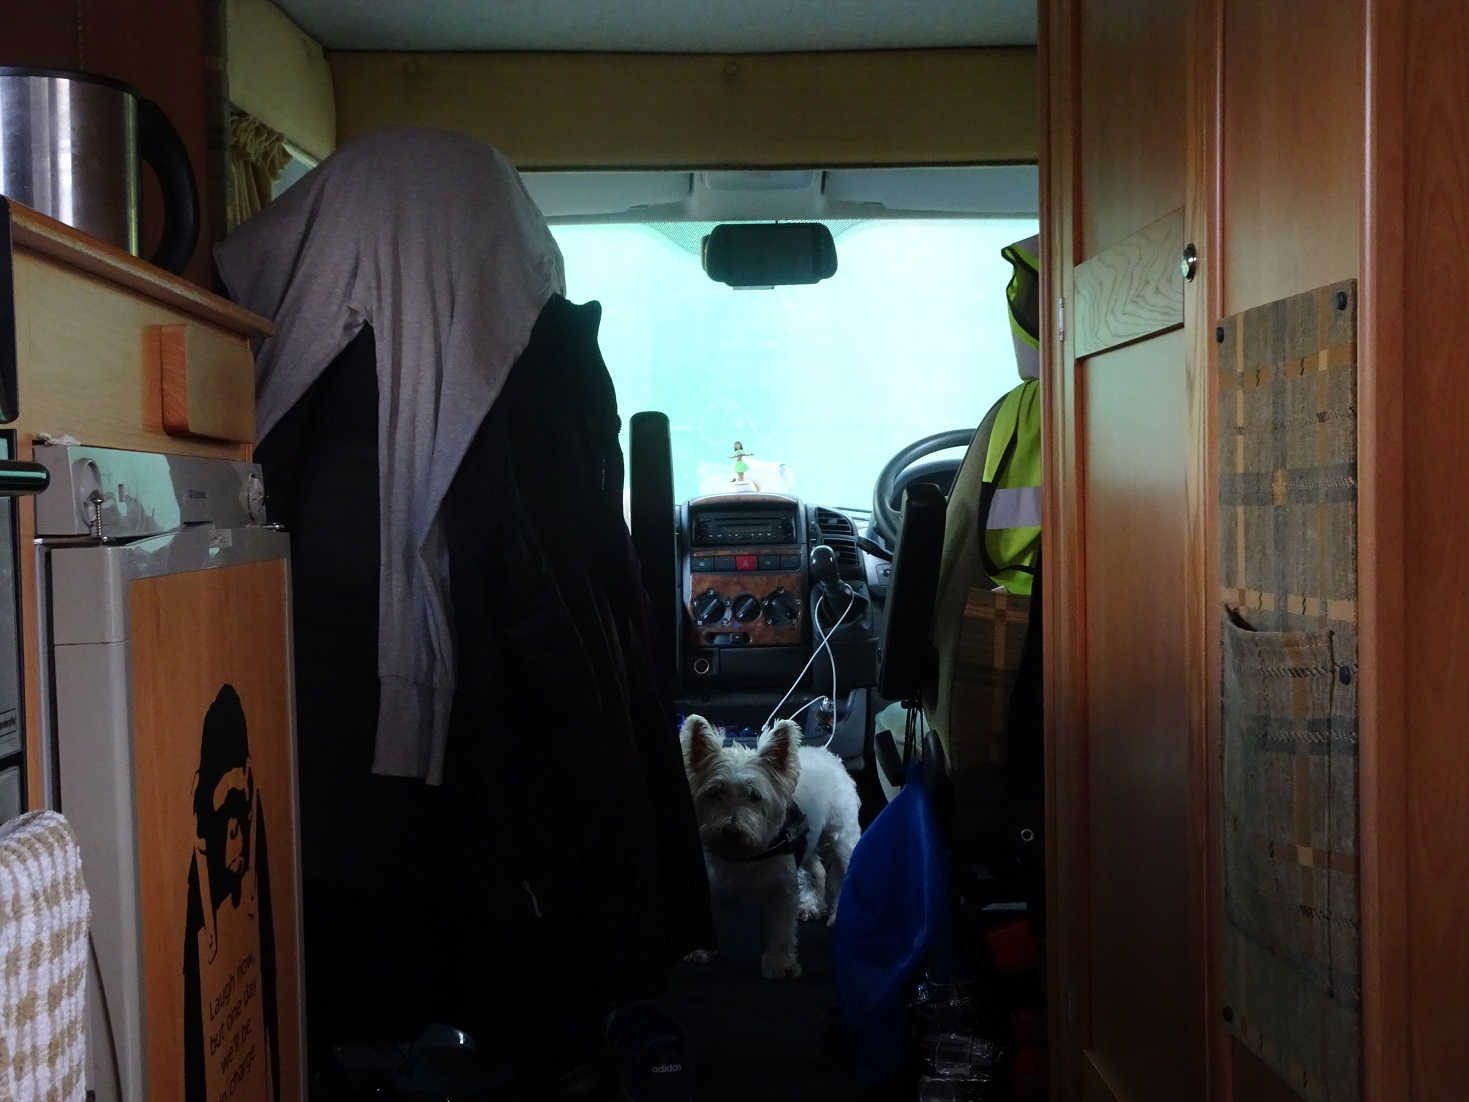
(1060, 319)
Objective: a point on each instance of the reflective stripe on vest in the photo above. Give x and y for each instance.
(1018, 507)
(1013, 464)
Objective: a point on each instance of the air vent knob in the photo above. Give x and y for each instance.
(745, 608)
(709, 607)
(781, 609)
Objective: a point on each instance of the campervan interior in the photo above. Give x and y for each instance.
(460, 462)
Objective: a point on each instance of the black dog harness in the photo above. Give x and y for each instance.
(792, 839)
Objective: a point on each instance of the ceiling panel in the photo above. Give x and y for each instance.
(979, 191)
(677, 26)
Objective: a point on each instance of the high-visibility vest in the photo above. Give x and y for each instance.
(1022, 297)
(1010, 500)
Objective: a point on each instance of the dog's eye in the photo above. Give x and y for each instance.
(714, 791)
(755, 796)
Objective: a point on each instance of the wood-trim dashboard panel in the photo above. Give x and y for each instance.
(757, 583)
(744, 544)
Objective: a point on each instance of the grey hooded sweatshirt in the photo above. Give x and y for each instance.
(432, 239)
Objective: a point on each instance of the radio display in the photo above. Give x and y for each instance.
(744, 527)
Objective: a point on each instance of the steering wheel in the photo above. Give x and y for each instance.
(885, 517)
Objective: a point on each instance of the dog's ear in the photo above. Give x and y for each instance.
(778, 748)
(700, 742)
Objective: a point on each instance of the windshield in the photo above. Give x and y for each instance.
(822, 384)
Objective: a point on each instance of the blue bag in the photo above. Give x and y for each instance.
(893, 919)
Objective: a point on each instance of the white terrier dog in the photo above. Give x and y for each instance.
(778, 825)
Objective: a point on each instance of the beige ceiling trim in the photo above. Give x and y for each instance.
(588, 110)
(279, 74)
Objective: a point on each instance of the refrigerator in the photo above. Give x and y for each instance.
(165, 619)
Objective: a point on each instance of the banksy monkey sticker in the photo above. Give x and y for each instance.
(231, 1017)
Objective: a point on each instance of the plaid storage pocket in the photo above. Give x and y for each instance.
(1290, 870)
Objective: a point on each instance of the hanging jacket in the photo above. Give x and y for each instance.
(432, 240)
(563, 826)
(600, 827)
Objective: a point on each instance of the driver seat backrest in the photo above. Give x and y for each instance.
(983, 699)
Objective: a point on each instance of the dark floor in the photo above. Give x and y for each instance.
(759, 1040)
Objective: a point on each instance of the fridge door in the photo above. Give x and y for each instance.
(174, 721)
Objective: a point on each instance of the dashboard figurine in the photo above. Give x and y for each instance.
(740, 466)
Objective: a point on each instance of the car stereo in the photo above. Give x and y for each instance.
(744, 586)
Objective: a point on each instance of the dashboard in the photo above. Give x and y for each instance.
(749, 601)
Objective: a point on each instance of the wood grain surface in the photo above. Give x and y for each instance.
(208, 383)
(190, 635)
(34, 232)
(760, 585)
(1131, 290)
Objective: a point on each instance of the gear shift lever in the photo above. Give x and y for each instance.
(833, 593)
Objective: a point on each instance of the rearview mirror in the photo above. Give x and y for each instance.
(773, 254)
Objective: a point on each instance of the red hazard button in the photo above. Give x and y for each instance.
(747, 562)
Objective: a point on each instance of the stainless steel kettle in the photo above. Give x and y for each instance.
(70, 146)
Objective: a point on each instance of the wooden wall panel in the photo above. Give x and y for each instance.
(1292, 147)
(1062, 554)
(1147, 965)
(1383, 541)
(1288, 220)
(1133, 133)
(1124, 659)
(1436, 510)
(39, 34)
(1202, 294)
(157, 46)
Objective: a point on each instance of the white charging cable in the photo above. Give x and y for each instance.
(824, 643)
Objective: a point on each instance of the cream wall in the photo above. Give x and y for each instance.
(279, 74)
(587, 110)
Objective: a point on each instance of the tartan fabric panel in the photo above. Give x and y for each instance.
(1287, 530)
(1292, 935)
(976, 699)
(991, 638)
(1288, 462)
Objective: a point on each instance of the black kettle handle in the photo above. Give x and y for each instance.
(160, 146)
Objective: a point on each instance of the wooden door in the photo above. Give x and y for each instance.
(1125, 468)
(215, 765)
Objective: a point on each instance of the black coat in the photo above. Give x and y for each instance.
(557, 872)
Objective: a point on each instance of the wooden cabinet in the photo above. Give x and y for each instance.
(1128, 948)
(86, 344)
(157, 697)
(1297, 146)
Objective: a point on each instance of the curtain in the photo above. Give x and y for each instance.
(257, 156)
